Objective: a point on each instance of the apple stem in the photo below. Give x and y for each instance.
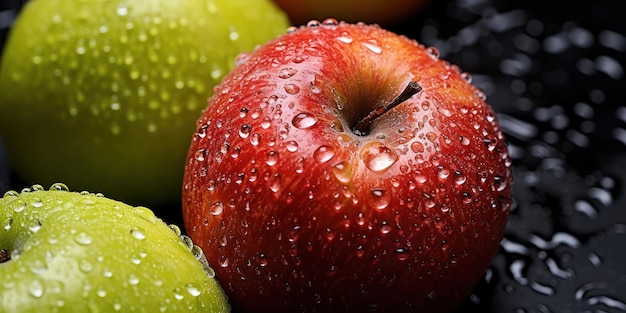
(362, 126)
(5, 255)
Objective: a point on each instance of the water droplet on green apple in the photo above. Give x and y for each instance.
(287, 72)
(138, 233)
(101, 291)
(324, 154)
(10, 193)
(378, 157)
(34, 225)
(193, 290)
(8, 222)
(133, 279)
(36, 288)
(106, 272)
(38, 267)
(59, 187)
(85, 266)
(83, 239)
(36, 202)
(145, 214)
(304, 120)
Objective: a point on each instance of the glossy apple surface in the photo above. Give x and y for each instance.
(369, 11)
(301, 209)
(103, 94)
(65, 251)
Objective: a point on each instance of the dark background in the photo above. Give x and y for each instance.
(554, 73)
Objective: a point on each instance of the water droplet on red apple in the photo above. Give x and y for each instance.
(345, 37)
(287, 72)
(343, 172)
(266, 123)
(431, 136)
(200, 155)
(255, 139)
(242, 58)
(272, 158)
(417, 147)
(297, 59)
(324, 154)
(379, 198)
(442, 172)
(274, 183)
(304, 120)
(360, 220)
(292, 146)
(402, 254)
(245, 130)
(459, 178)
(433, 52)
(313, 23)
(467, 76)
(330, 22)
(299, 165)
(373, 45)
(378, 157)
(292, 89)
(501, 182)
(464, 141)
(216, 208)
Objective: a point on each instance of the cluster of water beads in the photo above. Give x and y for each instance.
(558, 252)
(39, 286)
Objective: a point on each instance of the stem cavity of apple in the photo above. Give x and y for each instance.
(361, 128)
(5, 255)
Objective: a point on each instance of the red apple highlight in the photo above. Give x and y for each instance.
(342, 167)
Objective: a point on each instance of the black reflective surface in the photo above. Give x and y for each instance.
(554, 72)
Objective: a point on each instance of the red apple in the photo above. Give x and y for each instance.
(370, 11)
(342, 167)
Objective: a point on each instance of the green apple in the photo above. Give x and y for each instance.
(104, 94)
(63, 251)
